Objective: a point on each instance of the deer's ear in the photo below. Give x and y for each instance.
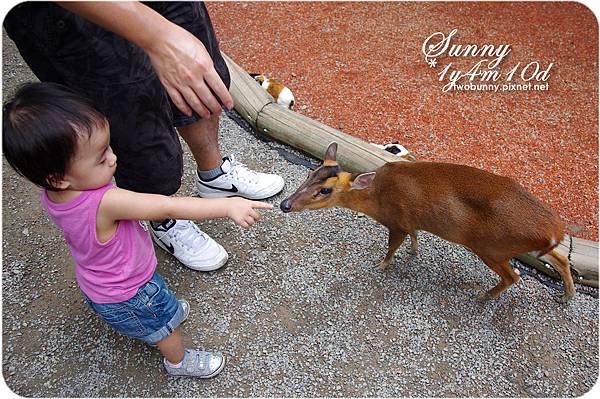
(331, 152)
(362, 181)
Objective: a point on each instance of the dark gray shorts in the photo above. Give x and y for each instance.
(62, 47)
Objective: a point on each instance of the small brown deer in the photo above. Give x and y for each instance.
(491, 215)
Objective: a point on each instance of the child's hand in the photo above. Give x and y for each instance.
(242, 211)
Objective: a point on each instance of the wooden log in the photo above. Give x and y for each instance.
(305, 134)
(312, 137)
(272, 120)
(582, 255)
(249, 99)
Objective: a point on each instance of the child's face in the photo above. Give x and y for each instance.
(94, 163)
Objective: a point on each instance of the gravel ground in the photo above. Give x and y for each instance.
(300, 309)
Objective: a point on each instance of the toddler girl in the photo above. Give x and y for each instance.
(59, 141)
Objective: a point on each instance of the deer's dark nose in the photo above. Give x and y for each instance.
(286, 206)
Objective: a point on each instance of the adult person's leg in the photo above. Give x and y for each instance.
(224, 176)
(202, 139)
(217, 176)
(62, 47)
(117, 76)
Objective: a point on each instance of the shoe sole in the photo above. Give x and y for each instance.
(226, 194)
(217, 371)
(210, 268)
(197, 268)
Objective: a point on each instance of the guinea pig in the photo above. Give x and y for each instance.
(277, 90)
(397, 149)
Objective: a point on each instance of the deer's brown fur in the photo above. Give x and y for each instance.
(493, 216)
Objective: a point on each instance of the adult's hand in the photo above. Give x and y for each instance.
(180, 60)
(186, 70)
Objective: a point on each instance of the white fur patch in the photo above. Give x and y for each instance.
(286, 98)
(394, 148)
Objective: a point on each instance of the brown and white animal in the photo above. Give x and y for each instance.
(396, 149)
(277, 90)
(491, 215)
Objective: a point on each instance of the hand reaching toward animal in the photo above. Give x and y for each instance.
(244, 212)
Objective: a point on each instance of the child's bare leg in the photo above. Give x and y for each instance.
(172, 347)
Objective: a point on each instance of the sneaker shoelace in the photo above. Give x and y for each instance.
(240, 171)
(198, 360)
(188, 234)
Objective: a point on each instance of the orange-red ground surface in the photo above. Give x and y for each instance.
(359, 67)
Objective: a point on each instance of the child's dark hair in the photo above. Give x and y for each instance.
(41, 127)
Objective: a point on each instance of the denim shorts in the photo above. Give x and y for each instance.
(150, 316)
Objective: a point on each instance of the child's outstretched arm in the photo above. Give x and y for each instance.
(118, 204)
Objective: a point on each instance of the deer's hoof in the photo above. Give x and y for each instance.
(564, 298)
(383, 265)
(484, 296)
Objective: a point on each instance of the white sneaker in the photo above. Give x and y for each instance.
(192, 247)
(197, 364)
(185, 305)
(238, 180)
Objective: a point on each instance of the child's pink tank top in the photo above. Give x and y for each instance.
(107, 272)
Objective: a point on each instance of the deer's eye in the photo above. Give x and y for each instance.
(326, 191)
